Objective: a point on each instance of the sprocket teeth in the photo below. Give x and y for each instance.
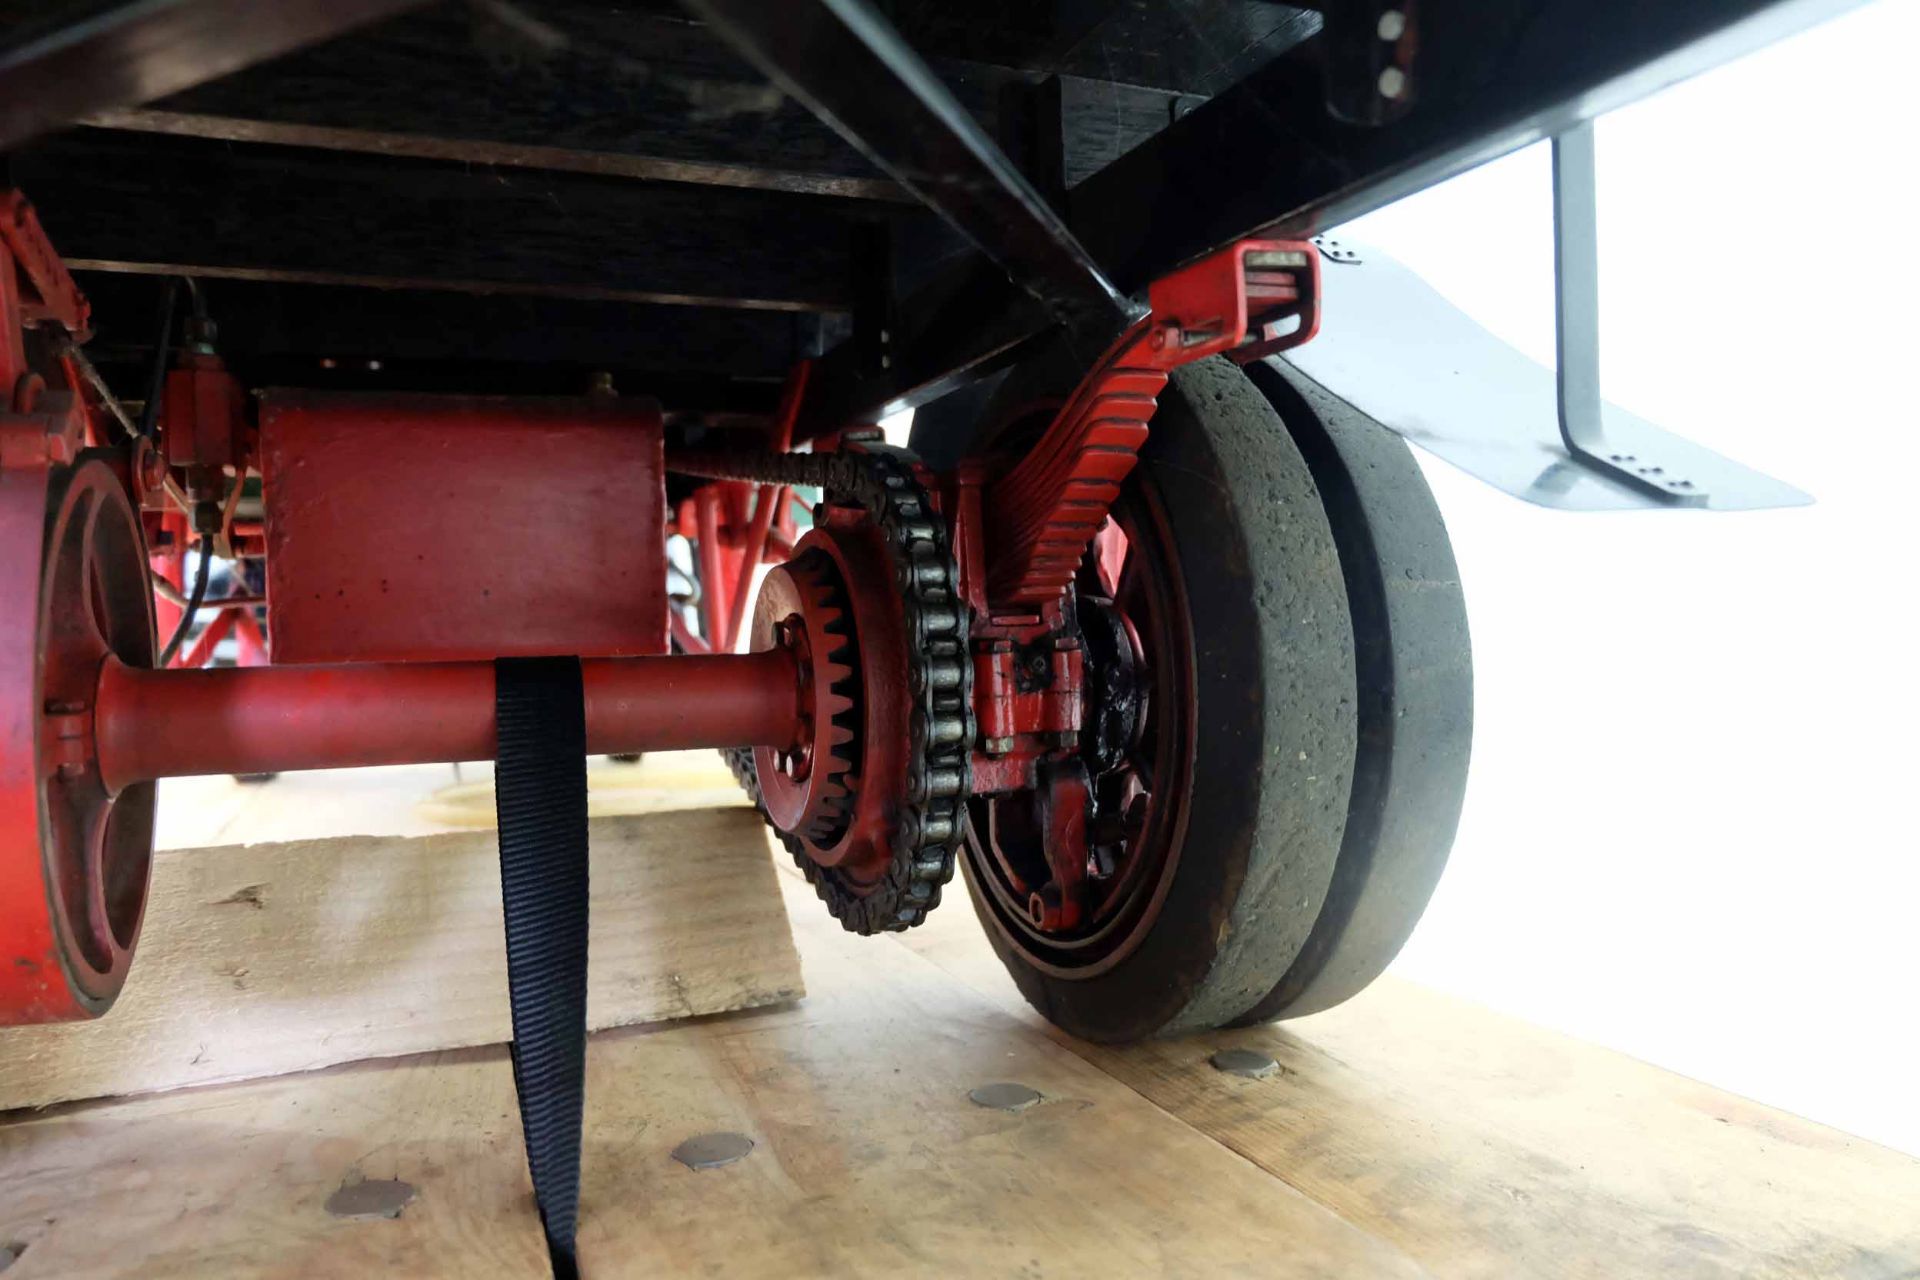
(896, 504)
(829, 623)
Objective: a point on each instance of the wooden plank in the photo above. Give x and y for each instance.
(605, 88)
(67, 59)
(870, 1161)
(134, 202)
(262, 959)
(592, 78)
(1484, 1147)
(418, 799)
(521, 155)
(1194, 47)
(264, 320)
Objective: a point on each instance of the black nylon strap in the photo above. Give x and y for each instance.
(540, 798)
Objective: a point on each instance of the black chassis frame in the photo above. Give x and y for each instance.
(525, 192)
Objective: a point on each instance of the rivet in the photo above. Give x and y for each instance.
(1393, 82)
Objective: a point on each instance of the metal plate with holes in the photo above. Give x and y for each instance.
(1391, 346)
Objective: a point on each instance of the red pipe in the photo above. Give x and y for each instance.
(203, 648)
(772, 500)
(756, 550)
(251, 640)
(170, 724)
(683, 634)
(714, 604)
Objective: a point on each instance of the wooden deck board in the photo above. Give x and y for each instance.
(1408, 1133)
(262, 959)
(870, 1159)
(1484, 1146)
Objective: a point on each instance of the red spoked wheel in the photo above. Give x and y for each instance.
(74, 859)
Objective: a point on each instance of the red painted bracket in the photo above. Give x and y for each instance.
(54, 296)
(35, 288)
(1247, 301)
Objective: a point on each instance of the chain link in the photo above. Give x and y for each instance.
(932, 817)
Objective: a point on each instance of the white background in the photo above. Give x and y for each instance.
(1691, 831)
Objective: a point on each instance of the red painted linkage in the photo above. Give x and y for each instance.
(735, 527)
(35, 287)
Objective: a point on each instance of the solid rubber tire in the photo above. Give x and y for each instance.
(1414, 672)
(1274, 725)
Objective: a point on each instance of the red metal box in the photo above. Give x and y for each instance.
(435, 528)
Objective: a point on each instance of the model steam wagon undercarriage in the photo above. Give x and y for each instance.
(523, 360)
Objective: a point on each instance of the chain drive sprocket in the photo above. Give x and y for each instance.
(931, 821)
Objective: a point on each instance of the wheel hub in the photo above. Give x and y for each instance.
(803, 607)
(1116, 683)
(883, 532)
(1083, 903)
(838, 797)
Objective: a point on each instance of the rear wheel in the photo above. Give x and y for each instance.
(1285, 589)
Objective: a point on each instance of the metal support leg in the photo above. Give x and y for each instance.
(1576, 278)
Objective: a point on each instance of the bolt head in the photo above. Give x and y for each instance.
(1393, 83)
(1392, 25)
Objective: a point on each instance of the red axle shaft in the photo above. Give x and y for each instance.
(169, 724)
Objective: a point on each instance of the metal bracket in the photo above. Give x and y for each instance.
(1393, 348)
(1576, 313)
(1250, 300)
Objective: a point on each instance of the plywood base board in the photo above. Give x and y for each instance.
(263, 959)
(869, 1160)
(1486, 1147)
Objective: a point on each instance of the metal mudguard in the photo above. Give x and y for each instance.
(1394, 348)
